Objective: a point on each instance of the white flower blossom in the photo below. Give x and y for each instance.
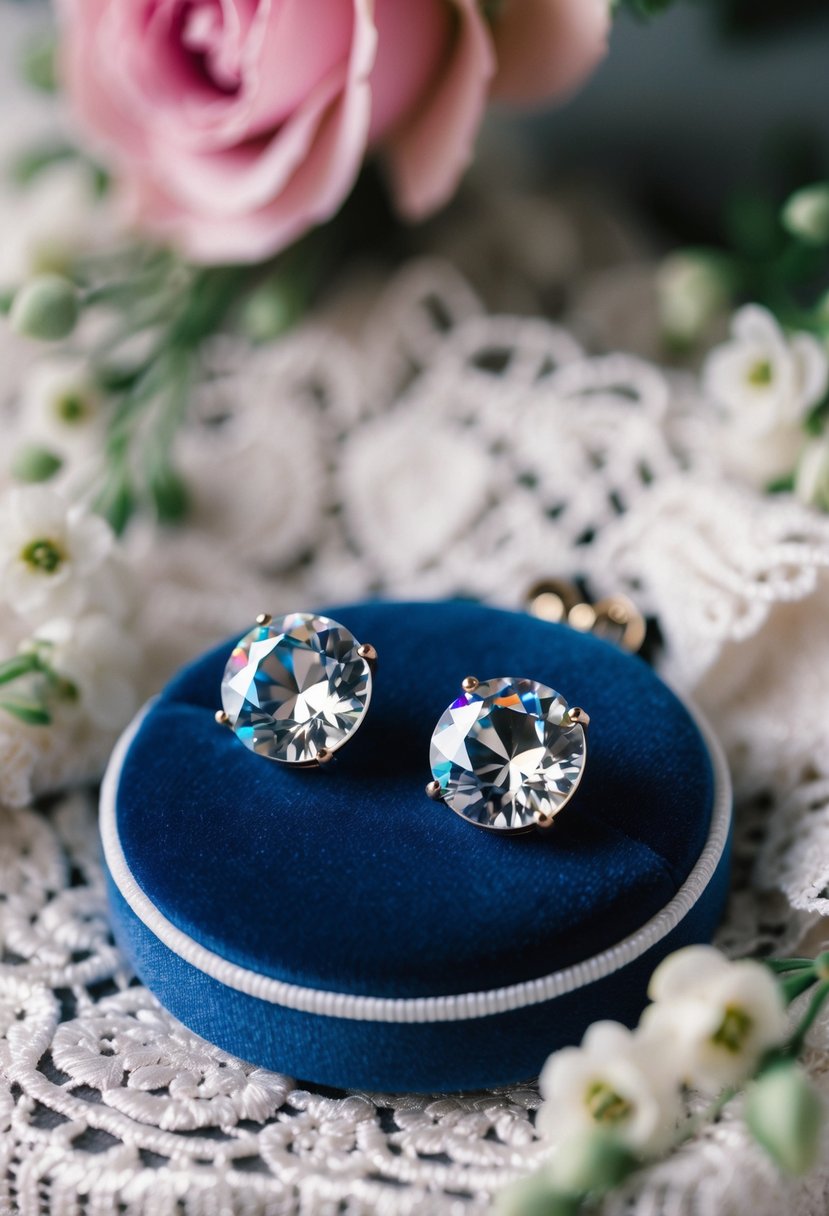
(616, 1082)
(764, 385)
(53, 555)
(101, 662)
(54, 217)
(60, 408)
(719, 1017)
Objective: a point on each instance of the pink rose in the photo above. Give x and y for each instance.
(233, 126)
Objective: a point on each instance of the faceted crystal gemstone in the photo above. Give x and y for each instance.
(506, 753)
(295, 687)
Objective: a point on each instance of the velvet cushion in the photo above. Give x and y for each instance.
(349, 879)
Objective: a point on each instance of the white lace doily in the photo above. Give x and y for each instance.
(413, 440)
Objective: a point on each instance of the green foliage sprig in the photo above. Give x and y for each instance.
(30, 688)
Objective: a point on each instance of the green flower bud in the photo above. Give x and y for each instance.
(270, 310)
(591, 1163)
(806, 214)
(34, 463)
(785, 1115)
(47, 308)
(535, 1196)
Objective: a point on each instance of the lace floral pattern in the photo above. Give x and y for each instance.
(507, 454)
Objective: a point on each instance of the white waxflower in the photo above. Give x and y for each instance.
(54, 218)
(616, 1082)
(100, 661)
(60, 407)
(719, 1016)
(811, 483)
(52, 553)
(764, 385)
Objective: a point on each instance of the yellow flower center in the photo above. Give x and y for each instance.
(733, 1030)
(71, 408)
(761, 374)
(43, 555)
(605, 1104)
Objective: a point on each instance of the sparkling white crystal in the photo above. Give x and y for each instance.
(296, 688)
(507, 755)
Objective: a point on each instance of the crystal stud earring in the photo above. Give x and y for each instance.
(296, 688)
(508, 754)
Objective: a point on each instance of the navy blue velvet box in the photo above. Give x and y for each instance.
(337, 925)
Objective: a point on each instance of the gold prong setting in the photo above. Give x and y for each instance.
(470, 684)
(434, 791)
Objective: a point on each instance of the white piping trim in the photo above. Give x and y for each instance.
(451, 1008)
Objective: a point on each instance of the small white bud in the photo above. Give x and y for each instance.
(811, 483)
(691, 292)
(806, 214)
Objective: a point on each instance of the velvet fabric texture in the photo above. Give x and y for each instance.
(348, 878)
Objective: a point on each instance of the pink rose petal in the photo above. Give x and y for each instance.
(428, 153)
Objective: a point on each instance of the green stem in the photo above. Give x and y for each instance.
(795, 1044)
(20, 665)
(209, 299)
(781, 965)
(30, 712)
(797, 984)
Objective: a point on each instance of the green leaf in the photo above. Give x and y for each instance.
(29, 712)
(39, 65)
(34, 464)
(752, 225)
(116, 502)
(798, 983)
(781, 485)
(101, 179)
(169, 494)
(33, 162)
(20, 665)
